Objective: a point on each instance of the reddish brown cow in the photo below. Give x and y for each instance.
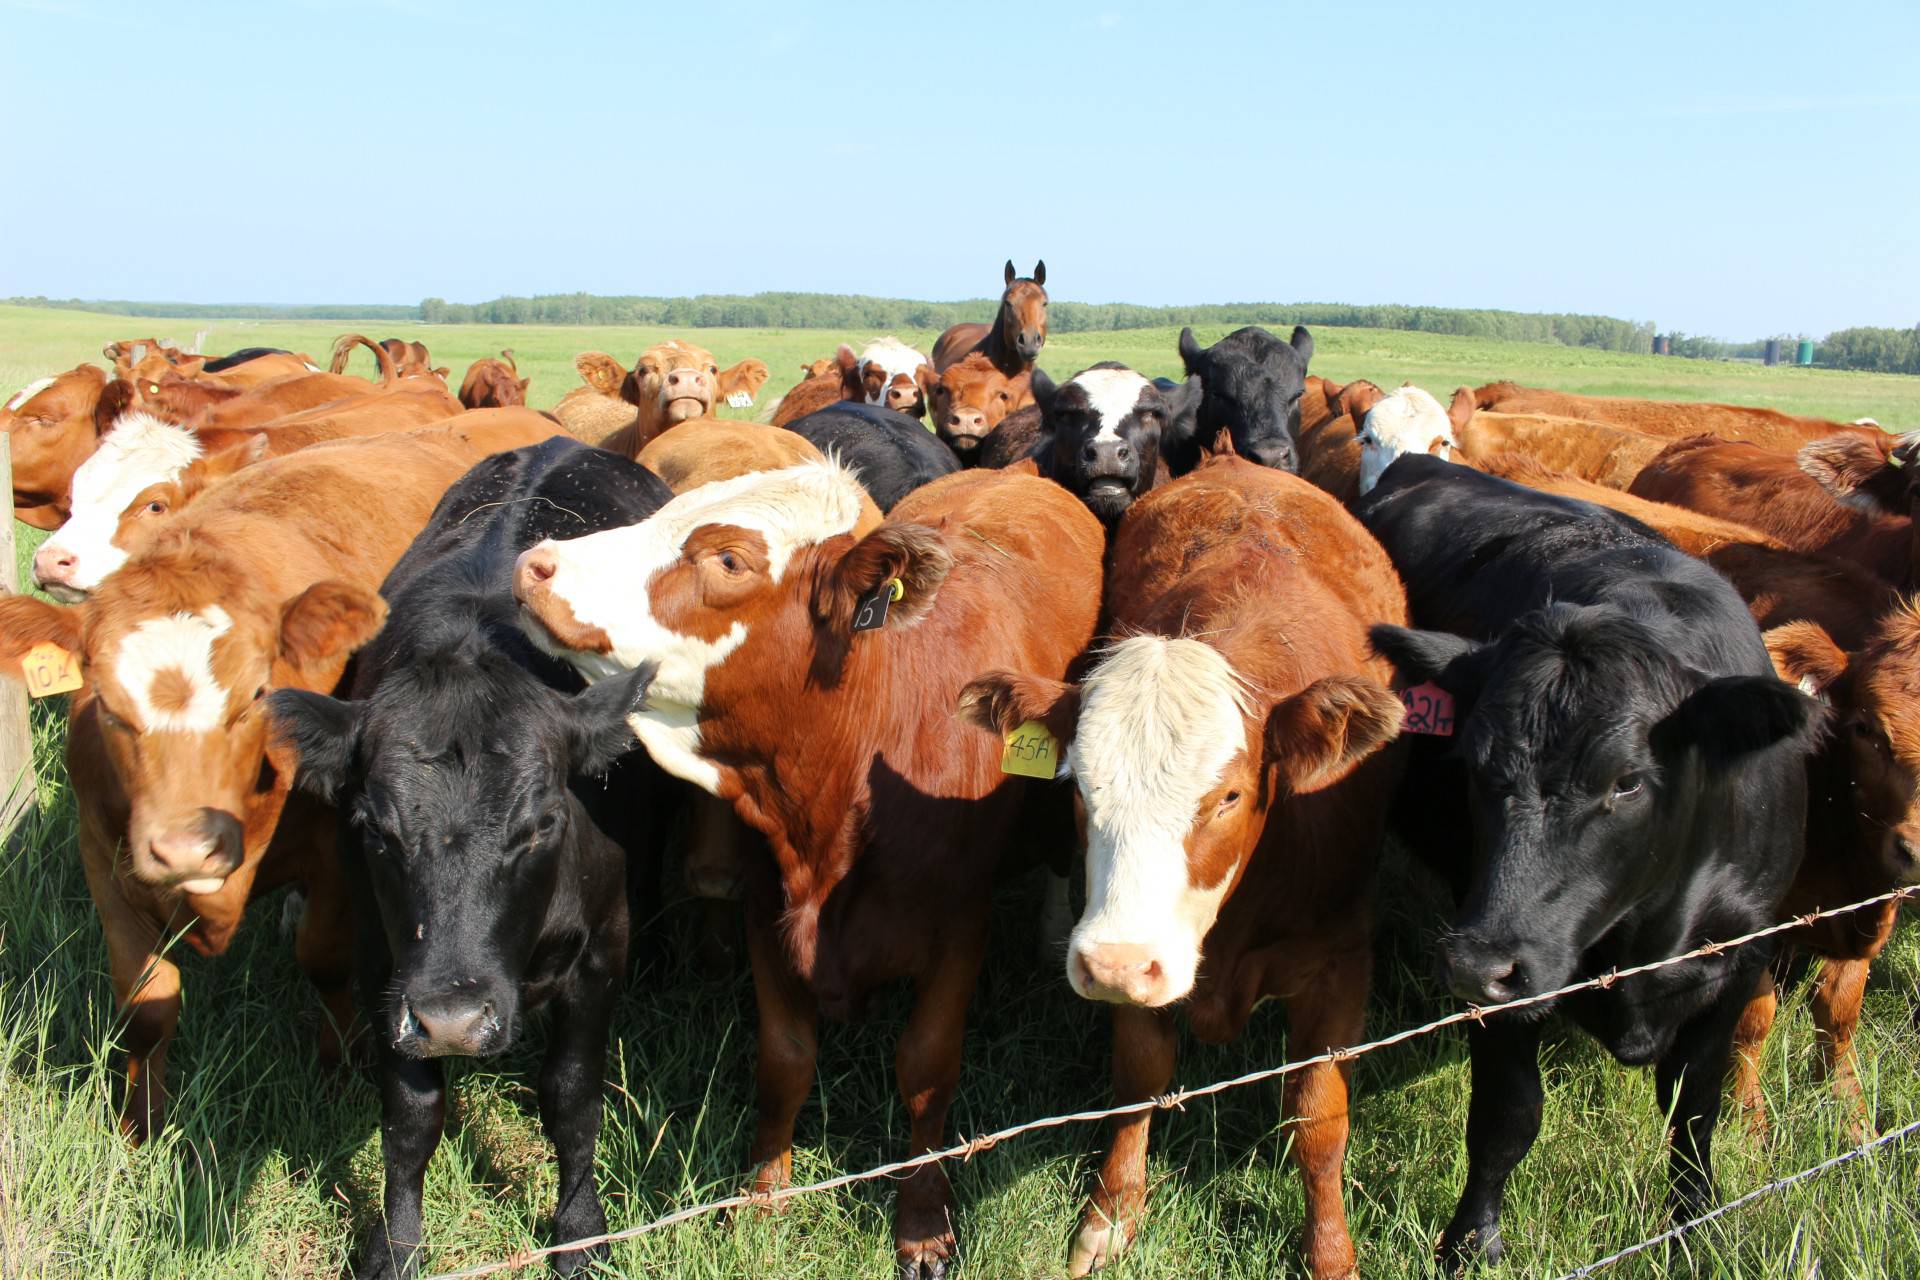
(1595, 451)
(672, 382)
(971, 399)
(840, 382)
(50, 431)
(746, 594)
(1231, 827)
(825, 364)
(1671, 419)
(1014, 339)
(271, 581)
(1330, 448)
(494, 384)
(409, 359)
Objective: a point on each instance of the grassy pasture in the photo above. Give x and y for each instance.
(272, 1168)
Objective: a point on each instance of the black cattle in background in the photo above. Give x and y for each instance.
(1625, 781)
(893, 454)
(1252, 387)
(483, 887)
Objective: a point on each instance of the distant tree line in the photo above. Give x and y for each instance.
(1879, 350)
(226, 310)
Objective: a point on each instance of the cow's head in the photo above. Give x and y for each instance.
(1879, 476)
(1253, 384)
(179, 650)
(1875, 695)
(1178, 762)
(1102, 433)
(453, 778)
(675, 381)
(973, 397)
(1023, 312)
(766, 562)
(895, 376)
(1590, 752)
(494, 383)
(1405, 420)
(51, 430)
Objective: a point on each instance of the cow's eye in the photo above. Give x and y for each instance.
(731, 562)
(1861, 729)
(713, 369)
(1229, 800)
(1627, 786)
(549, 822)
(260, 693)
(157, 507)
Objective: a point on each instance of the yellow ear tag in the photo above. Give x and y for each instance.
(153, 388)
(1030, 752)
(48, 669)
(899, 591)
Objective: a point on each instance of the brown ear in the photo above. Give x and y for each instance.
(1805, 655)
(1359, 397)
(847, 364)
(600, 371)
(1855, 471)
(1222, 446)
(329, 620)
(1461, 411)
(1329, 726)
(913, 553)
(1002, 701)
(26, 621)
(927, 380)
(748, 376)
(115, 399)
(442, 372)
(218, 466)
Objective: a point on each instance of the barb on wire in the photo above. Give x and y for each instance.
(1779, 1184)
(1170, 1101)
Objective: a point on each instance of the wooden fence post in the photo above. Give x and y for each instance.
(16, 729)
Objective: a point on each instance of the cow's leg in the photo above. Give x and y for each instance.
(1688, 1082)
(926, 1063)
(1749, 1042)
(788, 1043)
(146, 985)
(570, 1097)
(716, 852)
(413, 1110)
(1143, 1052)
(323, 948)
(1329, 1012)
(1503, 1119)
(1836, 1016)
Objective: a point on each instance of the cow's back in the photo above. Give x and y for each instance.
(894, 454)
(1672, 419)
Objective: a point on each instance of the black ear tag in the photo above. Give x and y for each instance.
(872, 613)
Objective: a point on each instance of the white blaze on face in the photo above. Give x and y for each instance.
(604, 579)
(1160, 720)
(1112, 394)
(893, 358)
(139, 451)
(1406, 420)
(180, 643)
(28, 392)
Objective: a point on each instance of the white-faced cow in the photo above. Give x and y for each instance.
(1100, 433)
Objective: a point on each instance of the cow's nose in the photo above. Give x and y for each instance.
(1106, 455)
(967, 422)
(1906, 858)
(533, 571)
(686, 379)
(1481, 973)
(1119, 972)
(902, 397)
(446, 1023)
(53, 564)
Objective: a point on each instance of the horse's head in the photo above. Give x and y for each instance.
(1023, 312)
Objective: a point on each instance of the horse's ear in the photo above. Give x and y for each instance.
(1040, 272)
(1043, 390)
(1010, 276)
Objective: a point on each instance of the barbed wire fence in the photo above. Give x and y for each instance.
(967, 1149)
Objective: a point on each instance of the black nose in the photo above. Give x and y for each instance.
(1106, 457)
(1480, 973)
(452, 1023)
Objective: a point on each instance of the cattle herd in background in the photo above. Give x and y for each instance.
(1630, 676)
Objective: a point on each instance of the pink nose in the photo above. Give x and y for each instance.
(902, 396)
(53, 564)
(532, 572)
(687, 381)
(1119, 972)
(967, 422)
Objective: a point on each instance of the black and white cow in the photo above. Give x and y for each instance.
(483, 886)
(1100, 433)
(894, 454)
(1624, 780)
(1253, 385)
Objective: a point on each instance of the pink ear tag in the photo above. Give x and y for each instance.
(1429, 710)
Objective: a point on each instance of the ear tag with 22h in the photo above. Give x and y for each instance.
(872, 613)
(49, 669)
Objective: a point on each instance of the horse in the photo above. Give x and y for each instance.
(1014, 340)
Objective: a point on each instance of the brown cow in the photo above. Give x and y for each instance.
(746, 594)
(51, 430)
(408, 359)
(837, 384)
(708, 450)
(148, 359)
(1014, 339)
(1672, 419)
(814, 368)
(887, 372)
(1595, 451)
(253, 589)
(672, 382)
(972, 398)
(494, 383)
(1330, 447)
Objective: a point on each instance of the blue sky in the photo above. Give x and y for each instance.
(1736, 169)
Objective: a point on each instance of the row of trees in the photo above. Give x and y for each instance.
(225, 310)
(1879, 350)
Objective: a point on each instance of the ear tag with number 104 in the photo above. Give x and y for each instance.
(1031, 752)
(49, 669)
(872, 613)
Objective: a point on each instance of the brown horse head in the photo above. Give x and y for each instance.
(1023, 313)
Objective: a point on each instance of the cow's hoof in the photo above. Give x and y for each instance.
(932, 1257)
(580, 1261)
(1461, 1246)
(1098, 1243)
(381, 1259)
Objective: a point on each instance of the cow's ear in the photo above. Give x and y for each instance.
(912, 553)
(26, 621)
(1805, 656)
(1857, 472)
(1002, 701)
(599, 724)
(323, 731)
(115, 399)
(1316, 735)
(1011, 275)
(1190, 351)
(329, 620)
(1433, 657)
(1460, 412)
(926, 379)
(847, 362)
(600, 371)
(1040, 272)
(1733, 716)
(1358, 397)
(748, 376)
(1302, 342)
(202, 472)
(1043, 389)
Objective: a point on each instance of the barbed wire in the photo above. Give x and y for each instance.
(966, 1150)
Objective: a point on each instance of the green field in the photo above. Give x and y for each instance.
(272, 1168)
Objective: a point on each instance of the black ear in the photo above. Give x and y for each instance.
(1734, 716)
(1040, 272)
(1190, 351)
(1303, 343)
(1043, 390)
(1010, 274)
(598, 719)
(1184, 400)
(323, 730)
(1421, 655)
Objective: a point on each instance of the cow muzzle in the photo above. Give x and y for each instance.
(1482, 972)
(1901, 855)
(55, 569)
(903, 395)
(965, 428)
(463, 1021)
(686, 393)
(1121, 973)
(195, 856)
(544, 610)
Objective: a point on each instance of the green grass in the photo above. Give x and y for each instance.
(272, 1167)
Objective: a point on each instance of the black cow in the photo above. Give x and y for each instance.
(482, 886)
(1631, 776)
(1100, 433)
(1253, 384)
(893, 454)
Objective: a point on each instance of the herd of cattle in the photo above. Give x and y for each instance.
(1631, 676)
